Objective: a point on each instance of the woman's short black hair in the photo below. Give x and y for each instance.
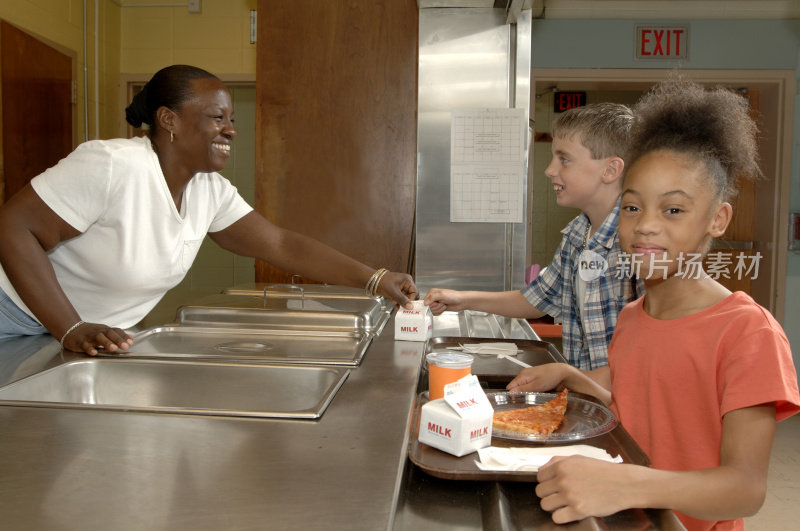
(169, 87)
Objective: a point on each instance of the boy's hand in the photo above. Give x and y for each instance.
(439, 300)
(540, 378)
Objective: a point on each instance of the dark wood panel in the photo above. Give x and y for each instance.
(336, 125)
(36, 104)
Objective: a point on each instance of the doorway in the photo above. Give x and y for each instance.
(772, 92)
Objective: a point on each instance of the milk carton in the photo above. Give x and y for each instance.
(413, 325)
(461, 422)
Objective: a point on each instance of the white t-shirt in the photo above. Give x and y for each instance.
(135, 245)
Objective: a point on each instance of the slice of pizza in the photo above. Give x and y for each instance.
(542, 419)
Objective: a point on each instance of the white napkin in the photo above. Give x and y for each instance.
(530, 459)
(497, 349)
(501, 350)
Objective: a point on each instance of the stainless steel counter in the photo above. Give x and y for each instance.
(78, 469)
(91, 469)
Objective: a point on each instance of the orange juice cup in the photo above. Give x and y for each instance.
(445, 368)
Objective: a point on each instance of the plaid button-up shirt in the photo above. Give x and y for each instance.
(585, 338)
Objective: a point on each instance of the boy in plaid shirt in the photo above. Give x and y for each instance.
(581, 287)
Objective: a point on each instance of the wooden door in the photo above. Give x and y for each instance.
(36, 108)
(336, 126)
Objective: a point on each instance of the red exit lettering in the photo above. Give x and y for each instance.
(564, 101)
(661, 42)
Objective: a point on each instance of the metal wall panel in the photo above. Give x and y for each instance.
(468, 58)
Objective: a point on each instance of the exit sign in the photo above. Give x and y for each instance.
(565, 100)
(660, 42)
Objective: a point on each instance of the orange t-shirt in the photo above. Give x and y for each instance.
(672, 381)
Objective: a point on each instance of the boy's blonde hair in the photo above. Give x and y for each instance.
(603, 128)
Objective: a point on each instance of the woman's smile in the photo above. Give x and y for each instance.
(222, 148)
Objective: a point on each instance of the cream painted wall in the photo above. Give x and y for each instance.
(136, 41)
(217, 39)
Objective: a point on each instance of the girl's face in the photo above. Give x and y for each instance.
(668, 215)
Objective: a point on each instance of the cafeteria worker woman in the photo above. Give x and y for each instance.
(92, 244)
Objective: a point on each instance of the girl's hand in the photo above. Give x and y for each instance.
(540, 378)
(400, 288)
(439, 300)
(88, 337)
(573, 488)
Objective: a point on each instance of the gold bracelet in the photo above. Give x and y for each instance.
(374, 280)
(370, 282)
(69, 330)
(378, 281)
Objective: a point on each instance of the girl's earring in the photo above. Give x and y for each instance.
(171, 137)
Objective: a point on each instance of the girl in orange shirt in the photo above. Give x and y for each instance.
(697, 375)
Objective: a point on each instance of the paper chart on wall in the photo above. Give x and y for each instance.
(487, 149)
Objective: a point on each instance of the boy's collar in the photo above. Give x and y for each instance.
(604, 235)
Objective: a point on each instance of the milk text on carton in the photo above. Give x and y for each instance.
(439, 430)
(479, 433)
(413, 325)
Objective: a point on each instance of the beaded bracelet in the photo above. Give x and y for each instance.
(372, 284)
(71, 328)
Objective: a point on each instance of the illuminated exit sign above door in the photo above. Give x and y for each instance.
(566, 100)
(662, 42)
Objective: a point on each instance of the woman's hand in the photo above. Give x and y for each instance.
(439, 300)
(540, 378)
(88, 337)
(400, 288)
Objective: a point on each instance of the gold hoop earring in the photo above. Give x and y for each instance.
(171, 137)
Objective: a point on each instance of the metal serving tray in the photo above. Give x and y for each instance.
(442, 465)
(183, 388)
(470, 323)
(314, 347)
(286, 313)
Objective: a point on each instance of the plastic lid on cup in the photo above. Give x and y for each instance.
(450, 360)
